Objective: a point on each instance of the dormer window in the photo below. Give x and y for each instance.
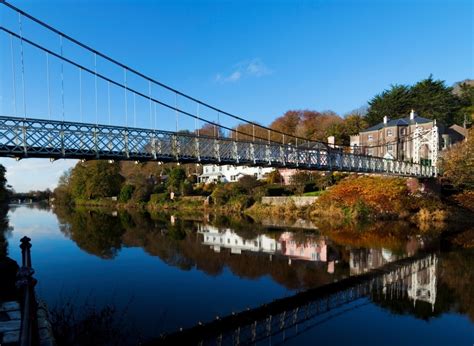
(389, 133)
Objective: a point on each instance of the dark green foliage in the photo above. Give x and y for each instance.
(3, 182)
(429, 98)
(176, 176)
(395, 102)
(247, 183)
(158, 198)
(95, 179)
(126, 193)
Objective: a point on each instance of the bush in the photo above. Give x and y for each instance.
(367, 196)
(126, 193)
(159, 198)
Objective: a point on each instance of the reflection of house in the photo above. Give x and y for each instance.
(229, 239)
(408, 139)
(364, 260)
(312, 249)
(230, 173)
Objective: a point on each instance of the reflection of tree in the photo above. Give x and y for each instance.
(95, 232)
(456, 271)
(3, 230)
(398, 236)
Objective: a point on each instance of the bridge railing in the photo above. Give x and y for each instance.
(23, 138)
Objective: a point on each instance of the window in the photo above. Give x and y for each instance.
(389, 148)
(213, 168)
(236, 241)
(228, 241)
(371, 151)
(403, 131)
(228, 168)
(389, 133)
(370, 137)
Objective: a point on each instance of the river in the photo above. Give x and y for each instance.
(162, 272)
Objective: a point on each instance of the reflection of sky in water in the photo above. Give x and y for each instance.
(159, 296)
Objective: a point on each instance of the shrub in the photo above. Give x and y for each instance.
(159, 198)
(126, 193)
(367, 196)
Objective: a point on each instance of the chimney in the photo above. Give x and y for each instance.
(412, 115)
(331, 141)
(385, 120)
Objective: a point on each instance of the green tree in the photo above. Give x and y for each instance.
(395, 102)
(429, 98)
(457, 163)
(95, 179)
(3, 183)
(432, 99)
(176, 176)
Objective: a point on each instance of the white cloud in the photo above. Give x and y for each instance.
(243, 69)
(34, 174)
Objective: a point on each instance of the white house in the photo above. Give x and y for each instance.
(230, 173)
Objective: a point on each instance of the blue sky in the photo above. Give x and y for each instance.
(261, 58)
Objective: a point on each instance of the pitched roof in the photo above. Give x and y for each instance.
(399, 122)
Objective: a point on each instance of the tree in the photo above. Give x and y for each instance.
(432, 99)
(210, 131)
(395, 102)
(466, 95)
(247, 183)
(457, 163)
(62, 193)
(176, 176)
(3, 182)
(95, 179)
(306, 124)
(351, 125)
(429, 98)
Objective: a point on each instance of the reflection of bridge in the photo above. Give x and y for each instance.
(72, 84)
(415, 278)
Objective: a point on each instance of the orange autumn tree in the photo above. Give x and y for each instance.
(372, 197)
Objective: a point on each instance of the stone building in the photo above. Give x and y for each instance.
(414, 139)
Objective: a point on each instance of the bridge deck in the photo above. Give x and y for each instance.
(29, 138)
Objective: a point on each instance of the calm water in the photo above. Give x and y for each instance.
(163, 273)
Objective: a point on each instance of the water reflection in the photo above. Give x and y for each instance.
(235, 250)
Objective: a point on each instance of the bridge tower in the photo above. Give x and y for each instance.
(429, 137)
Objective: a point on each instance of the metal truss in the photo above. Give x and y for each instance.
(28, 138)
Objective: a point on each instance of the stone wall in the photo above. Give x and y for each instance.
(298, 201)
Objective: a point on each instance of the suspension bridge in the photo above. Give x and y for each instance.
(62, 99)
(273, 323)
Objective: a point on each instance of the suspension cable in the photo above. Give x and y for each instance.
(126, 88)
(136, 72)
(108, 100)
(62, 77)
(80, 94)
(176, 111)
(48, 86)
(13, 75)
(149, 93)
(22, 65)
(134, 110)
(125, 96)
(95, 90)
